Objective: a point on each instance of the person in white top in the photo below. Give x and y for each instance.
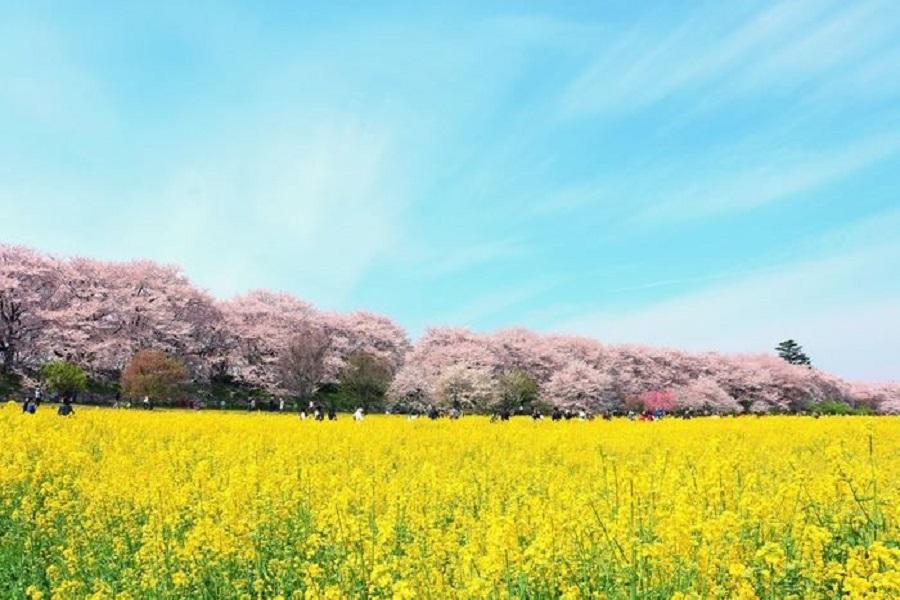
(358, 414)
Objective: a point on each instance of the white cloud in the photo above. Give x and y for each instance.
(307, 210)
(844, 309)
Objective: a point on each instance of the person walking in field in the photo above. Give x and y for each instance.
(358, 415)
(332, 414)
(65, 409)
(281, 405)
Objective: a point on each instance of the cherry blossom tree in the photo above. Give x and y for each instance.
(113, 310)
(303, 363)
(705, 394)
(466, 387)
(520, 350)
(368, 333)
(882, 397)
(411, 389)
(579, 385)
(29, 297)
(260, 326)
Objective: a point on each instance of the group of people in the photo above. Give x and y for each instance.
(271, 405)
(316, 411)
(432, 413)
(30, 404)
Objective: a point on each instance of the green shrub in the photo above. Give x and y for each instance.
(837, 407)
(63, 378)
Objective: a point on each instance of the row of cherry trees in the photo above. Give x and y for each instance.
(458, 366)
(99, 314)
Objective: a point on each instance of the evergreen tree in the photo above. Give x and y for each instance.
(793, 353)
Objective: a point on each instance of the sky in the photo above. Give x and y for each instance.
(699, 175)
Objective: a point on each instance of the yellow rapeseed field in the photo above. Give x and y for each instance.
(132, 504)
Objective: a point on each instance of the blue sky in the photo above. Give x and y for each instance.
(704, 175)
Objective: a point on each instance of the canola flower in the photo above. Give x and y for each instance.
(121, 504)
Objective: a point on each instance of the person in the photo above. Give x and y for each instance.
(358, 414)
(433, 413)
(504, 414)
(252, 404)
(455, 413)
(536, 414)
(556, 415)
(582, 415)
(281, 405)
(146, 402)
(38, 394)
(65, 409)
(30, 407)
(332, 414)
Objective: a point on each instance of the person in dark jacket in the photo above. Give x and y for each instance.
(65, 409)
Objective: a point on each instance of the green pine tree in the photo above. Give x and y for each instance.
(793, 353)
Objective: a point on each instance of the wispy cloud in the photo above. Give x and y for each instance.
(46, 83)
(486, 306)
(770, 177)
(466, 256)
(720, 53)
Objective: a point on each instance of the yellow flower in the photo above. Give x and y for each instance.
(129, 505)
(33, 593)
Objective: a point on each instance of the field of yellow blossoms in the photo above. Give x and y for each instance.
(131, 504)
